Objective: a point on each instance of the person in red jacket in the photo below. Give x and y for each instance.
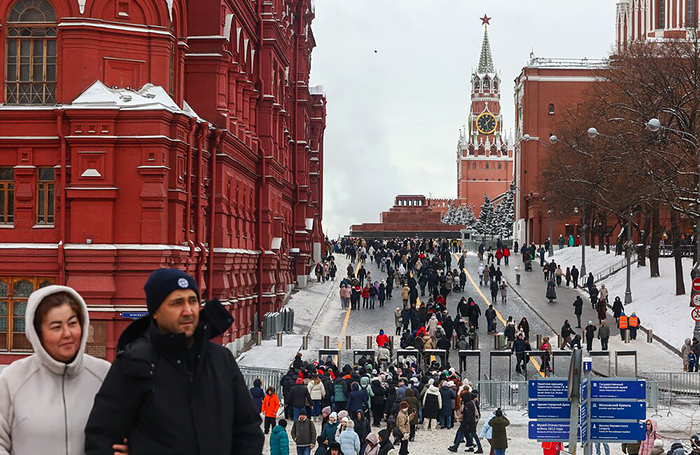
(365, 297)
(382, 339)
(551, 448)
(506, 255)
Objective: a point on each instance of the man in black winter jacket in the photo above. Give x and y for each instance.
(171, 390)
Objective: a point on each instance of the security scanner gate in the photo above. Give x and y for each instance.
(556, 354)
(439, 353)
(359, 353)
(466, 354)
(408, 353)
(603, 354)
(323, 354)
(619, 354)
(508, 354)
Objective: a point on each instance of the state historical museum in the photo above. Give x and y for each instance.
(137, 134)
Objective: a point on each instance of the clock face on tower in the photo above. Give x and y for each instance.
(486, 123)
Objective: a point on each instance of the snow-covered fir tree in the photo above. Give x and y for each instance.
(506, 210)
(449, 216)
(486, 218)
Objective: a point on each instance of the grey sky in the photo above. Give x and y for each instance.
(394, 115)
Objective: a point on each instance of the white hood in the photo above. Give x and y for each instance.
(43, 357)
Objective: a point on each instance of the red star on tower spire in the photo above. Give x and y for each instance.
(485, 20)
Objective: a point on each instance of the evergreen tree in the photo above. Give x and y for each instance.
(469, 218)
(486, 218)
(507, 215)
(449, 216)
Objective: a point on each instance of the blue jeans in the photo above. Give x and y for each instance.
(458, 437)
(304, 450)
(499, 451)
(471, 438)
(297, 411)
(316, 409)
(606, 447)
(446, 421)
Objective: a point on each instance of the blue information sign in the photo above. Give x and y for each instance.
(584, 389)
(549, 431)
(557, 388)
(549, 409)
(618, 431)
(134, 314)
(632, 410)
(633, 390)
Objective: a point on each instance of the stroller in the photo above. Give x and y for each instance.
(528, 265)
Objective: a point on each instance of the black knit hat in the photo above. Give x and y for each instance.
(164, 281)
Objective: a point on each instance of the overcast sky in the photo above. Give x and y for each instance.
(394, 115)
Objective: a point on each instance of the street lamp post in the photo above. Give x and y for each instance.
(583, 243)
(654, 126)
(628, 252)
(551, 239)
(593, 133)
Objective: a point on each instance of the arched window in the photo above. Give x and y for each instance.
(487, 83)
(495, 84)
(31, 53)
(551, 109)
(477, 84)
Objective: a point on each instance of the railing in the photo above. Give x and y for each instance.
(666, 251)
(502, 394)
(603, 274)
(268, 376)
(679, 383)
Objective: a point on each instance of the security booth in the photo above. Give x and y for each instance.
(408, 353)
(359, 353)
(438, 353)
(334, 354)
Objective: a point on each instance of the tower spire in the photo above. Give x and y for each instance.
(486, 59)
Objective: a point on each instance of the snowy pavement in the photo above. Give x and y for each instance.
(683, 422)
(650, 356)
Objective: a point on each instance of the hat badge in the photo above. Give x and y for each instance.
(182, 282)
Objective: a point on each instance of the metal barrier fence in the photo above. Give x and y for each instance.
(508, 395)
(268, 376)
(674, 386)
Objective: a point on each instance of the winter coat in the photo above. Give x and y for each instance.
(685, 351)
(216, 413)
(617, 308)
(386, 446)
(316, 391)
(578, 305)
(509, 332)
(590, 332)
(602, 309)
(499, 440)
(329, 431)
(356, 401)
(432, 403)
(648, 443)
(398, 317)
(551, 290)
(469, 416)
(304, 433)
(486, 431)
(340, 390)
(447, 396)
(271, 405)
(42, 400)
(298, 397)
(604, 331)
(657, 451)
(279, 441)
(369, 450)
(403, 421)
(631, 449)
(551, 448)
(258, 395)
(414, 405)
(362, 427)
(349, 442)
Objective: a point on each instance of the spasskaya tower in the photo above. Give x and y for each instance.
(484, 157)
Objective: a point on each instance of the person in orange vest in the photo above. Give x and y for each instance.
(622, 324)
(551, 448)
(634, 322)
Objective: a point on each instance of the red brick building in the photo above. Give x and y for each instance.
(544, 90)
(484, 157)
(640, 20)
(138, 134)
(411, 216)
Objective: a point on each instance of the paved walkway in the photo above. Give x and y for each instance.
(532, 288)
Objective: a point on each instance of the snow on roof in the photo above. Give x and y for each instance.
(317, 90)
(148, 97)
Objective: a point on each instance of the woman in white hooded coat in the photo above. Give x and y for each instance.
(46, 398)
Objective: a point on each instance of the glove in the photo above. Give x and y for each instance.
(405, 437)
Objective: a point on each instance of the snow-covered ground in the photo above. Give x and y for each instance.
(653, 299)
(597, 262)
(307, 304)
(682, 422)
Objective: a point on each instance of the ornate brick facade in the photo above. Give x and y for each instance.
(180, 134)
